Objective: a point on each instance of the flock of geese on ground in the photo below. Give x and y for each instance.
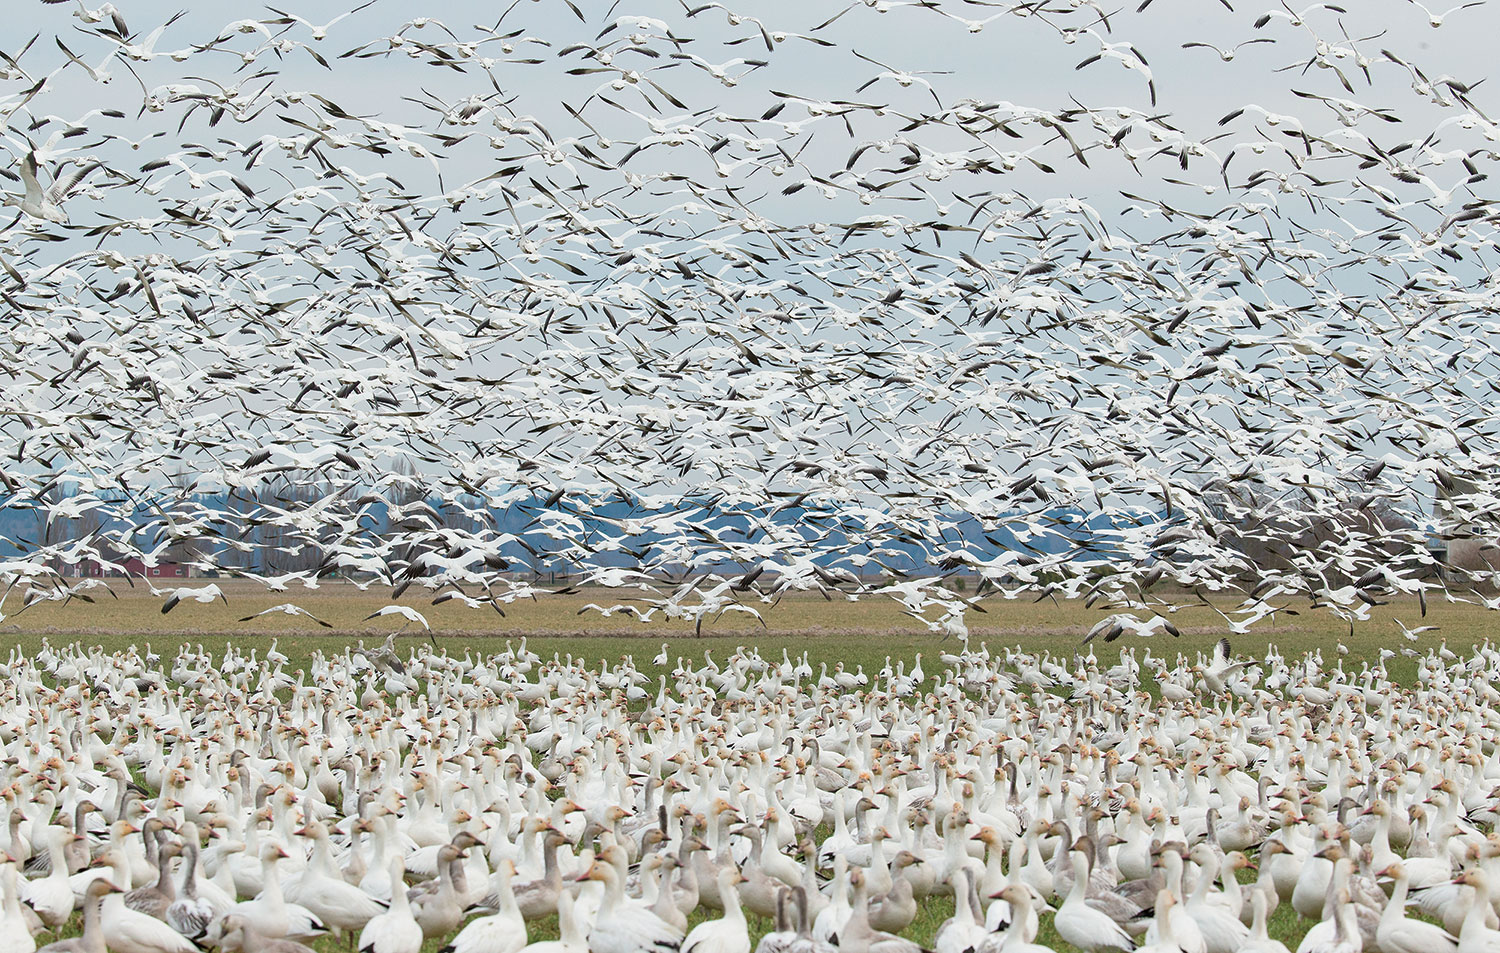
(225, 801)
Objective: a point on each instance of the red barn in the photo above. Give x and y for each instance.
(135, 567)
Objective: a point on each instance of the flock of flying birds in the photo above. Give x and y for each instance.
(797, 292)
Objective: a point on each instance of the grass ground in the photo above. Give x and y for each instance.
(863, 633)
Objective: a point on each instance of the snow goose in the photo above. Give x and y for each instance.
(657, 874)
(92, 938)
(1164, 941)
(154, 899)
(571, 937)
(894, 910)
(805, 942)
(621, 927)
(190, 914)
(323, 890)
(1344, 937)
(1278, 868)
(1311, 890)
(1242, 831)
(501, 932)
(396, 930)
(858, 936)
(1260, 939)
(757, 886)
(1220, 926)
(538, 898)
(993, 875)
(240, 936)
(131, 931)
(728, 934)
(1398, 933)
(1184, 928)
(269, 914)
(15, 931)
(1019, 934)
(52, 896)
(831, 919)
(965, 931)
(782, 933)
(1474, 935)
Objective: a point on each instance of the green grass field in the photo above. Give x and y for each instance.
(860, 633)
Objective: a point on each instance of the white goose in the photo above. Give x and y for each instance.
(269, 914)
(52, 896)
(1162, 923)
(1398, 933)
(1220, 926)
(1020, 934)
(728, 934)
(501, 932)
(1260, 938)
(622, 927)
(1474, 934)
(15, 932)
(190, 914)
(1080, 924)
(965, 931)
(396, 930)
(322, 889)
(571, 937)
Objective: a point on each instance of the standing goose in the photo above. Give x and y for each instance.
(831, 919)
(1476, 936)
(440, 913)
(783, 933)
(396, 930)
(728, 934)
(1398, 933)
(15, 932)
(52, 896)
(1080, 924)
(131, 931)
(92, 938)
(535, 898)
(570, 933)
(1221, 927)
(269, 914)
(1019, 935)
(501, 932)
(858, 936)
(657, 874)
(805, 942)
(1260, 940)
(1162, 920)
(154, 899)
(894, 910)
(1345, 936)
(323, 890)
(190, 914)
(623, 927)
(965, 931)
